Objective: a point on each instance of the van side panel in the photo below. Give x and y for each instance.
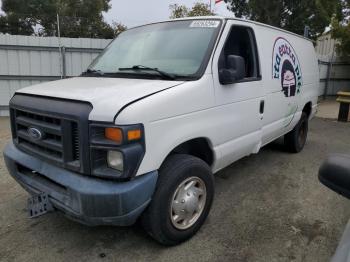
(182, 113)
(282, 112)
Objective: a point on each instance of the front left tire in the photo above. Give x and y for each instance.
(182, 200)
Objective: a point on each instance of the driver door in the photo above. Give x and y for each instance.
(240, 104)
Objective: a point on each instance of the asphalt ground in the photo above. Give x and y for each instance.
(267, 207)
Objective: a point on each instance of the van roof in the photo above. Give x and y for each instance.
(241, 20)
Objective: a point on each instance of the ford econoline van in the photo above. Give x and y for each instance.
(140, 134)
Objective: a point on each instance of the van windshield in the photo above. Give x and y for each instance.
(178, 49)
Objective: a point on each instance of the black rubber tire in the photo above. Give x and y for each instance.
(156, 219)
(295, 140)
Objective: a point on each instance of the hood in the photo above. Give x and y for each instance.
(107, 95)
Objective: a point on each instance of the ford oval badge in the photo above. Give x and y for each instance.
(35, 133)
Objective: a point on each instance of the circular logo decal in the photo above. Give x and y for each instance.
(286, 67)
(35, 133)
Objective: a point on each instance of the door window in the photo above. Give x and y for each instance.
(241, 42)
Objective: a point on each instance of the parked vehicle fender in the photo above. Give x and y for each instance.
(168, 118)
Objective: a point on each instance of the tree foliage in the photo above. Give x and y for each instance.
(118, 28)
(198, 9)
(342, 34)
(291, 15)
(341, 30)
(78, 18)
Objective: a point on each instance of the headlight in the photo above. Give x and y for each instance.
(115, 160)
(116, 151)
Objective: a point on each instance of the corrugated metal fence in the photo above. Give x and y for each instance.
(334, 73)
(28, 60)
(334, 77)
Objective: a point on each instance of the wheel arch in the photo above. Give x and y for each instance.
(200, 147)
(308, 109)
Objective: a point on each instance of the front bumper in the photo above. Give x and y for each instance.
(88, 200)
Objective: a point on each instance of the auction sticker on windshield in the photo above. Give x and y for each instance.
(205, 24)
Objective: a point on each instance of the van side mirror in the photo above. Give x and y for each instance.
(234, 72)
(335, 174)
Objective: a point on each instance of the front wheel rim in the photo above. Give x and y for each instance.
(187, 203)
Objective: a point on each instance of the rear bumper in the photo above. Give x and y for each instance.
(88, 200)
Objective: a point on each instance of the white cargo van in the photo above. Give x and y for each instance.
(164, 107)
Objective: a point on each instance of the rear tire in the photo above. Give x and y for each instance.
(182, 200)
(295, 140)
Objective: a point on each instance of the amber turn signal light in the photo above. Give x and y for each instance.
(134, 135)
(114, 134)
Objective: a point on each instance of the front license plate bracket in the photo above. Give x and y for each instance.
(39, 205)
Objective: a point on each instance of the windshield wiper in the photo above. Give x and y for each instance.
(92, 71)
(146, 68)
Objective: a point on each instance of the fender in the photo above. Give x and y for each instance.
(139, 99)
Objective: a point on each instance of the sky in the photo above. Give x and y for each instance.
(132, 13)
(137, 12)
